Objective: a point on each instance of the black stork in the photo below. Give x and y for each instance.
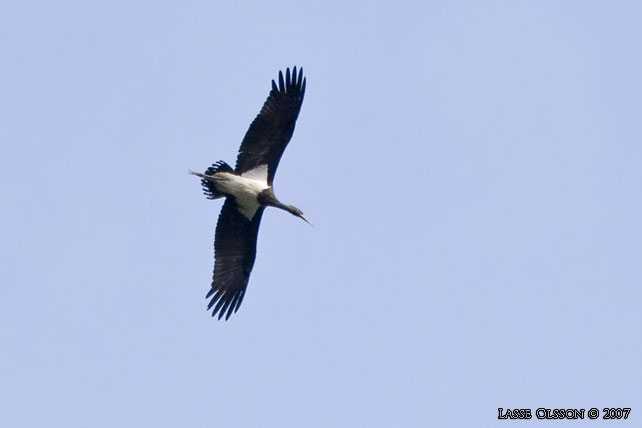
(248, 190)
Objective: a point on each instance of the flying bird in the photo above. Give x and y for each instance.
(247, 190)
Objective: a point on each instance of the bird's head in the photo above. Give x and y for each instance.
(298, 213)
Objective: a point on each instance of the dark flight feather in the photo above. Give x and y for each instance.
(271, 131)
(234, 254)
(209, 188)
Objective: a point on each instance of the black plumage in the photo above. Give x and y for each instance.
(234, 255)
(272, 129)
(239, 220)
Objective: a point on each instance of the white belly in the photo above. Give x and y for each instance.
(244, 188)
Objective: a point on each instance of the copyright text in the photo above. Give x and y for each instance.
(544, 413)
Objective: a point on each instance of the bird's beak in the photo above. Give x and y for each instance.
(306, 220)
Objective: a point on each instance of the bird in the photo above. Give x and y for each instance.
(248, 190)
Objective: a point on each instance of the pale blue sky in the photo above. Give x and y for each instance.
(473, 170)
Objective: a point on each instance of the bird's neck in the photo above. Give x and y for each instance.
(268, 199)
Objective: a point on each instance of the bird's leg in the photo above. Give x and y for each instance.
(199, 174)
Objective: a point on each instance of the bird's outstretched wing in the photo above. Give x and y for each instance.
(234, 253)
(270, 132)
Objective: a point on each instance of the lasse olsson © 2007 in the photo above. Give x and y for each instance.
(544, 413)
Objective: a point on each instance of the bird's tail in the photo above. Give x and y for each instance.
(209, 185)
